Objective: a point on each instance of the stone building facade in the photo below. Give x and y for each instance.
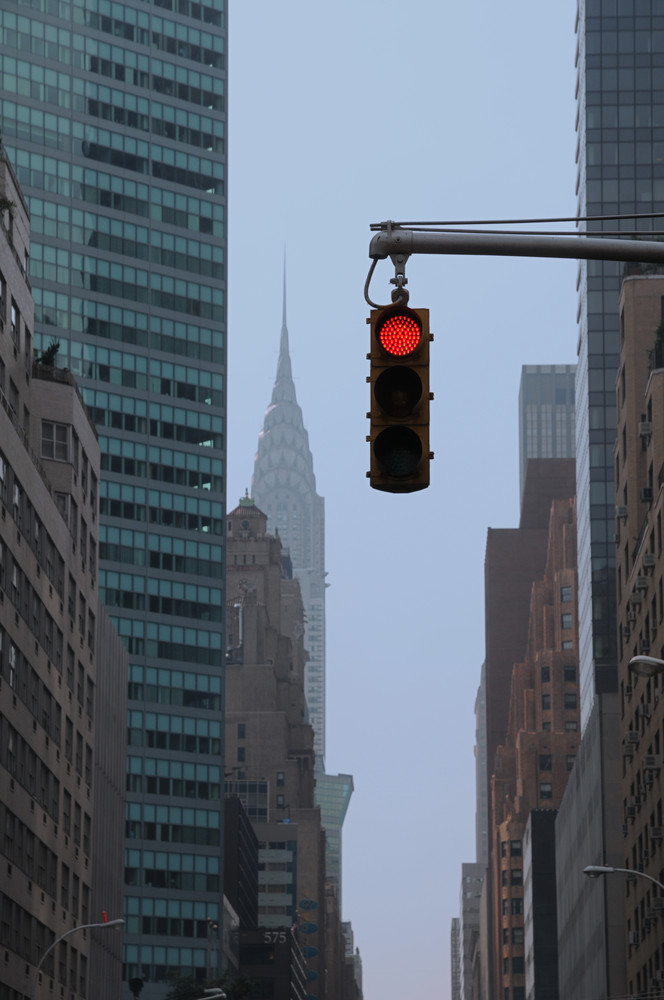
(54, 775)
(639, 471)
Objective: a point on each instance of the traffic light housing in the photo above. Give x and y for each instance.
(399, 415)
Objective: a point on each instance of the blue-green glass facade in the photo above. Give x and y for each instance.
(620, 161)
(114, 116)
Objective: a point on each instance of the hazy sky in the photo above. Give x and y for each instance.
(342, 115)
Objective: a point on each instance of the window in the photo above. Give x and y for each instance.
(517, 964)
(546, 675)
(503, 848)
(571, 725)
(241, 731)
(569, 675)
(506, 907)
(565, 594)
(516, 876)
(16, 325)
(569, 761)
(545, 761)
(281, 779)
(517, 935)
(568, 644)
(546, 702)
(515, 848)
(517, 906)
(546, 790)
(55, 441)
(566, 620)
(570, 700)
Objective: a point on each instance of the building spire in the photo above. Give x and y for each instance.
(284, 387)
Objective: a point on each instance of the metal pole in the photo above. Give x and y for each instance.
(393, 241)
(81, 927)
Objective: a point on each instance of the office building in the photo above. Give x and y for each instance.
(61, 724)
(515, 558)
(639, 464)
(620, 184)
(481, 778)
(539, 904)
(455, 959)
(620, 99)
(114, 116)
(532, 766)
(332, 794)
(470, 895)
(269, 743)
(284, 486)
(546, 414)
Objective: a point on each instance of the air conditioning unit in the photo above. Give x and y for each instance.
(628, 690)
(625, 828)
(650, 761)
(659, 973)
(658, 904)
(648, 560)
(642, 583)
(651, 914)
(646, 494)
(631, 812)
(635, 597)
(628, 750)
(645, 856)
(625, 631)
(632, 937)
(653, 627)
(635, 800)
(621, 512)
(644, 644)
(645, 428)
(644, 709)
(632, 736)
(631, 616)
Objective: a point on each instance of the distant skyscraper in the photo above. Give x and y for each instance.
(481, 779)
(455, 959)
(546, 414)
(284, 486)
(114, 116)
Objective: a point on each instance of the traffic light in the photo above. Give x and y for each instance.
(399, 415)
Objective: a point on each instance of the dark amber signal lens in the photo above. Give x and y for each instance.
(399, 334)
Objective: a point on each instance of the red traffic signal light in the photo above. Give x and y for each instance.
(399, 415)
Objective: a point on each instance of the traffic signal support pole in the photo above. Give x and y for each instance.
(393, 241)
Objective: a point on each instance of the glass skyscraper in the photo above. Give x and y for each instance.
(620, 172)
(113, 114)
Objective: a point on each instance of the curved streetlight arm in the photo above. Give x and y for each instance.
(594, 871)
(72, 930)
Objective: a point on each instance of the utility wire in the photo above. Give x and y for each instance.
(523, 222)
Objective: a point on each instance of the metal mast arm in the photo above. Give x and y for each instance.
(393, 241)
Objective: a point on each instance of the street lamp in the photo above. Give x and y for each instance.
(594, 871)
(72, 930)
(646, 666)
